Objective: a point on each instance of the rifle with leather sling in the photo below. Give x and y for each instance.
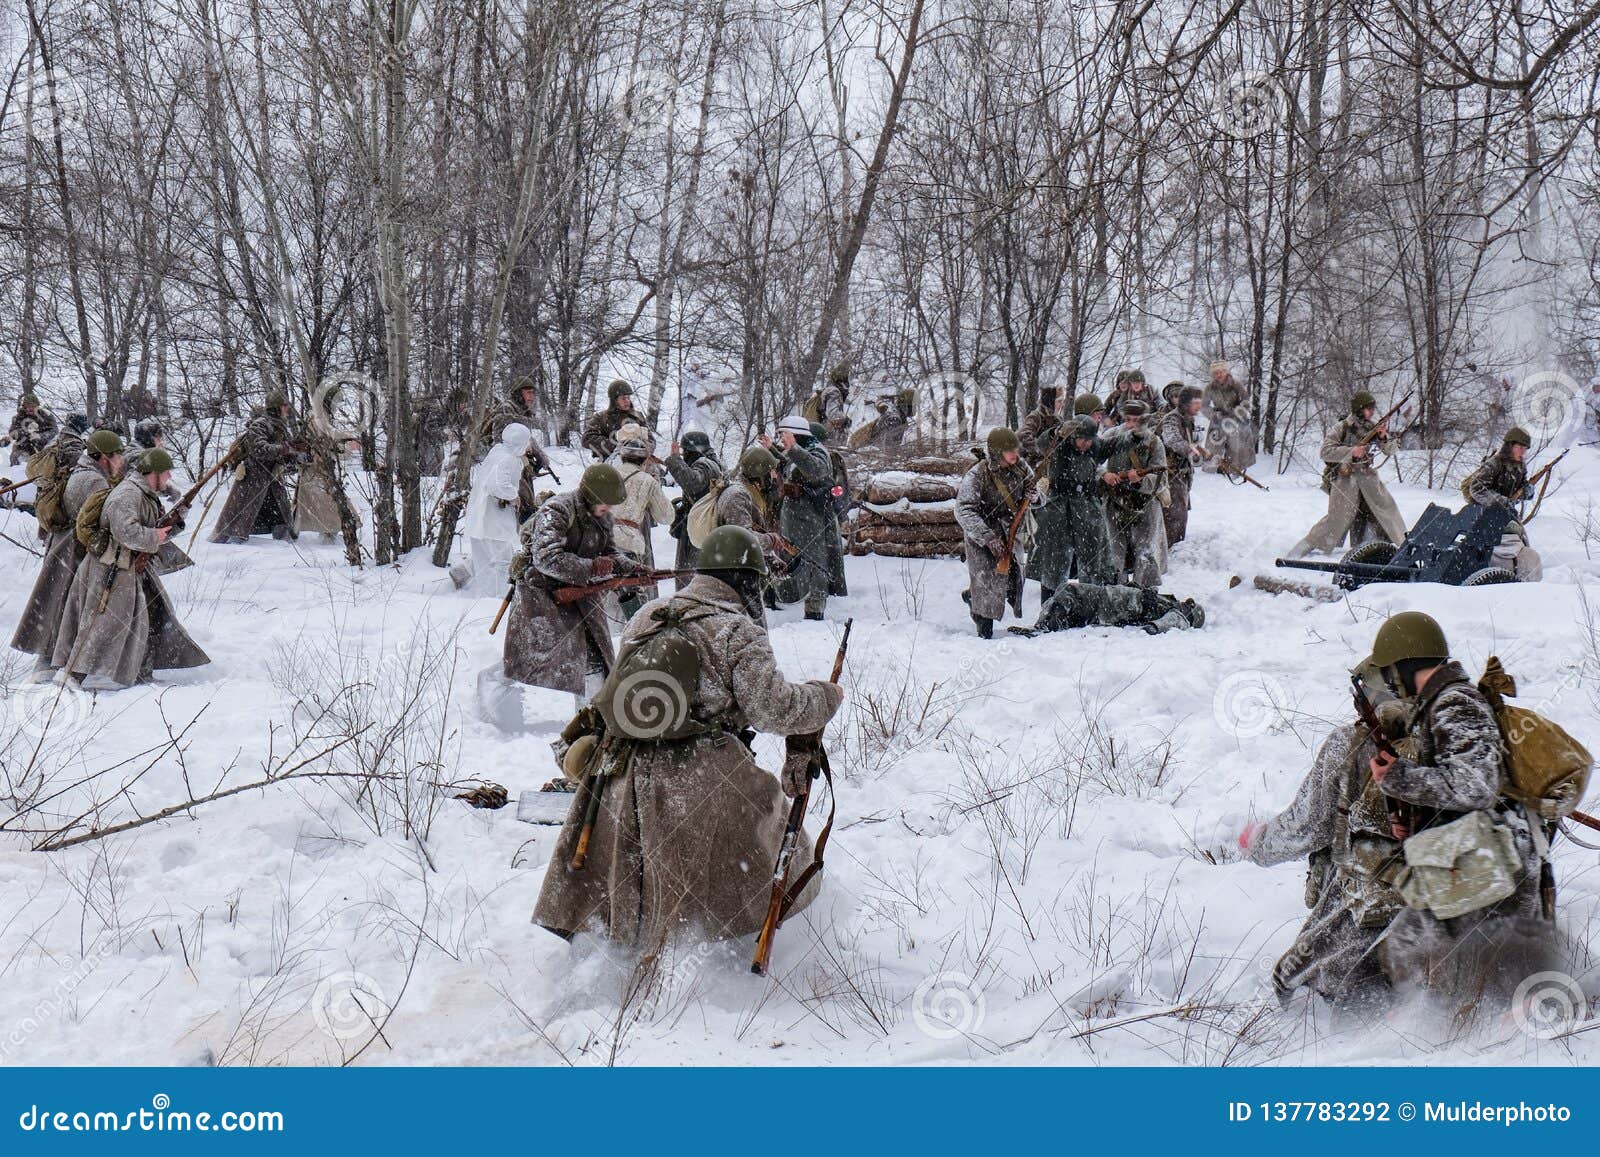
(1401, 816)
(565, 595)
(1236, 475)
(1002, 565)
(7, 489)
(1541, 479)
(1380, 428)
(784, 894)
(505, 603)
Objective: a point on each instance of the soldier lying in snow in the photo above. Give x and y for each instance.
(1087, 605)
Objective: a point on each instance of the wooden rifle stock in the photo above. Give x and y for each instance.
(565, 595)
(504, 604)
(1229, 470)
(7, 489)
(1378, 427)
(1542, 479)
(1002, 565)
(1400, 814)
(783, 896)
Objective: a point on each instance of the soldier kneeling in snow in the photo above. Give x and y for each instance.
(1502, 480)
(684, 823)
(1088, 605)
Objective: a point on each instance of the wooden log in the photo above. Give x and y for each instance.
(907, 550)
(948, 535)
(887, 489)
(907, 515)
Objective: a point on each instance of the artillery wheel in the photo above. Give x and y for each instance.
(1377, 551)
(1489, 576)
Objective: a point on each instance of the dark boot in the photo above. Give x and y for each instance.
(815, 616)
(769, 599)
(985, 627)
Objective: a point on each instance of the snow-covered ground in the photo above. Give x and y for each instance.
(1034, 860)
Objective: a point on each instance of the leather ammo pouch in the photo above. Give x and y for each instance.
(1460, 867)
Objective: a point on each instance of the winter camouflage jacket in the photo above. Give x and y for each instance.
(600, 431)
(1499, 481)
(1225, 399)
(693, 475)
(1037, 431)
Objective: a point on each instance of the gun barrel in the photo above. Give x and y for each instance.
(1368, 570)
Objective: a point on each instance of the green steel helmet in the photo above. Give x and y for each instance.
(1087, 405)
(839, 373)
(104, 443)
(696, 442)
(619, 389)
(757, 464)
(1123, 377)
(732, 548)
(1408, 635)
(277, 399)
(1360, 401)
(1000, 440)
(601, 485)
(819, 431)
(28, 399)
(1135, 375)
(155, 462)
(1517, 436)
(1083, 427)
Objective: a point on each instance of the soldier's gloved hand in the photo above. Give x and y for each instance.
(798, 754)
(601, 568)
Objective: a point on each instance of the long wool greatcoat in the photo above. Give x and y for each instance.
(688, 831)
(809, 520)
(986, 503)
(547, 644)
(1230, 432)
(1353, 492)
(1073, 538)
(1337, 820)
(138, 632)
(1133, 516)
(258, 502)
(41, 617)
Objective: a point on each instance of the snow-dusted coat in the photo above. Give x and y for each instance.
(688, 832)
(139, 631)
(1230, 432)
(1177, 433)
(547, 644)
(258, 502)
(1451, 762)
(741, 503)
(41, 617)
(809, 520)
(1133, 516)
(30, 433)
(986, 502)
(1339, 821)
(315, 508)
(1350, 491)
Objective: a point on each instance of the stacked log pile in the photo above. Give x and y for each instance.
(909, 510)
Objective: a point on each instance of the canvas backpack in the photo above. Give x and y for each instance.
(91, 535)
(812, 410)
(650, 694)
(702, 517)
(1547, 770)
(49, 475)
